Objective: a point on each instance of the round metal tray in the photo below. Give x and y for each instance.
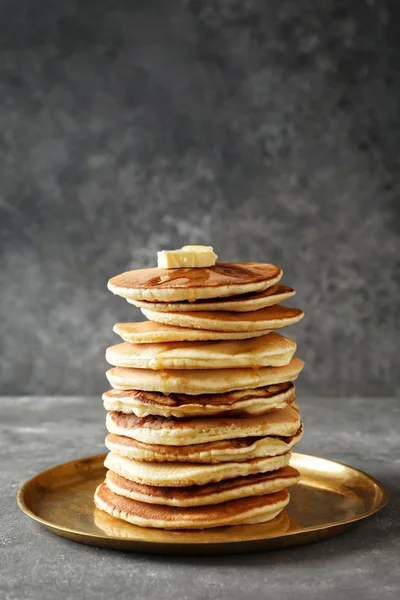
(329, 498)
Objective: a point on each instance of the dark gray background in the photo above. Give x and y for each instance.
(269, 129)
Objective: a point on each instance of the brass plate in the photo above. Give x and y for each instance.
(329, 498)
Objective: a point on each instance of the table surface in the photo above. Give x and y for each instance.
(36, 433)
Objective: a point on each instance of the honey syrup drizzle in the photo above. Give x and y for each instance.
(201, 276)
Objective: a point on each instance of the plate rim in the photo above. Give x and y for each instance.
(385, 496)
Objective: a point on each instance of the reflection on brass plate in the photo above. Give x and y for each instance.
(328, 499)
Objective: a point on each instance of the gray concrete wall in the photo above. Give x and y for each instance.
(267, 129)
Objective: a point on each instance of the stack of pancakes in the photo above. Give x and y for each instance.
(201, 417)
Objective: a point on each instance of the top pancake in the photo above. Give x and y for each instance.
(241, 303)
(174, 285)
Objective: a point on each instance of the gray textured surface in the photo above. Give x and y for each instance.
(36, 433)
(269, 129)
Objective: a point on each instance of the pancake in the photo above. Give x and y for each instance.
(235, 450)
(242, 402)
(198, 430)
(150, 332)
(173, 285)
(265, 351)
(272, 317)
(184, 474)
(117, 528)
(193, 382)
(242, 303)
(248, 510)
(203, 495)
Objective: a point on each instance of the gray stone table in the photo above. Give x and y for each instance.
(36, 433)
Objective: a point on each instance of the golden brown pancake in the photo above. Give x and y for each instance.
(196, 381)
(184, 474)
(172, 285)
(247, 510)
(117, 528)
(241, 402)
(272, 317)
(242, 303)
(235, 450)
(150, 332)
(202, 495)
(198, 430)
(265, 351)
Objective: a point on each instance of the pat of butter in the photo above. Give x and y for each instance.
(187, 256)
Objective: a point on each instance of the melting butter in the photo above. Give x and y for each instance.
(187, 256)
